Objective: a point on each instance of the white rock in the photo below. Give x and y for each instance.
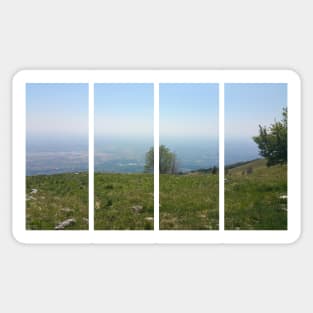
(30, 198)
(67, 210)
(65, 223)
(137, 208)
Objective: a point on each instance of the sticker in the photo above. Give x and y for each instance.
(156, 156)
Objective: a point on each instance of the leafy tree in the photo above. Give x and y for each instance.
(215, 170)
(149, 164)
(167, 161)
(272, 141)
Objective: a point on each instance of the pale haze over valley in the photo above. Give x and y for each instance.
(57, 124)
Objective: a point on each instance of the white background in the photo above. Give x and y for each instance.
(155, 34)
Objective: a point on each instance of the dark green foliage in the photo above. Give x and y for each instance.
(167, 161)
(215, 170)
(272, 141)
(149, 164)
(238, 164)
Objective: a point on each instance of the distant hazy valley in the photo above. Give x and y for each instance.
(128, 156)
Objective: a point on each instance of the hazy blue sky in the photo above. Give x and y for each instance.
(188, 111)
(57, 109)
(121, 110)
(124, 110)
(248, 105)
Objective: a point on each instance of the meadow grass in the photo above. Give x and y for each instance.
(57, 198)
(254, 197)
(189, 202)
(124, 201)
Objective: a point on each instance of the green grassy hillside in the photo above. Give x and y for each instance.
(189, 202)
(255, 197)
(52, 199)
(123, 201)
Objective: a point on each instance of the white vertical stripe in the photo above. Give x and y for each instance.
(156, 157)
(221, 158)
(91, 157)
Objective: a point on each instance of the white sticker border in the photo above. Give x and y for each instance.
(156, 76)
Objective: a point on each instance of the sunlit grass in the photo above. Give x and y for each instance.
(124, 201)
(255, 201)
(189, 202)
(55, 199)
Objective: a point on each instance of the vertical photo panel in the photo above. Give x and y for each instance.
(188, 157)
(123, 178)
(56, 156)
(256, 156)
